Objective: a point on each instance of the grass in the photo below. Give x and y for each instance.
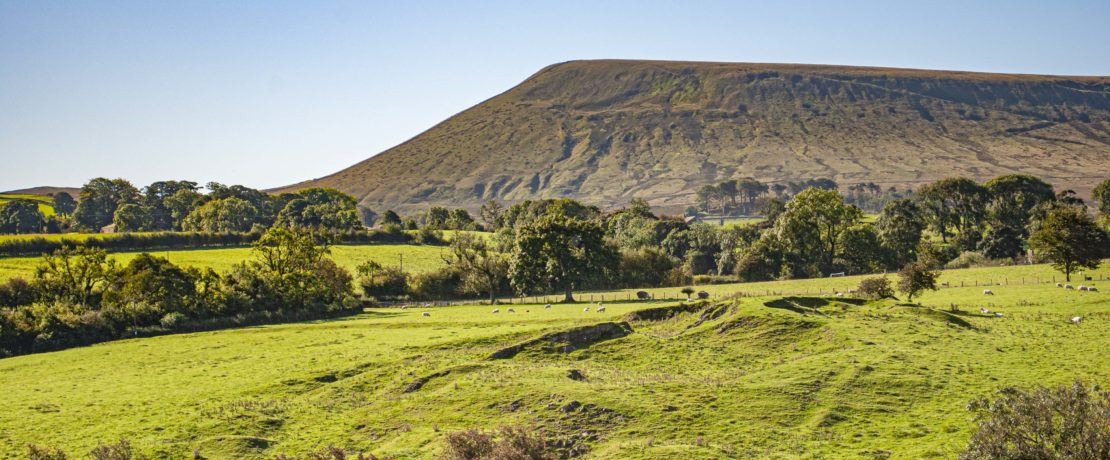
(45, 203)
(416, 258)
(794, 377)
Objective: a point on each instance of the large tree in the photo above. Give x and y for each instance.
(812, 224)
(1101, 196)
(20, 216)
(559, 253)
(64, 204)
(100, 198)
(320, 208)
(155, 196)
(223, 215)
(1070, 239)
(900, 225)
(133, 218)
(955, 202)
(483, 268)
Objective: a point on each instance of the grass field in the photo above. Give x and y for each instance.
(45, 203)
(804, 377)
(416, 258)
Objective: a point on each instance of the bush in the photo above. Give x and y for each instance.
(507, 443)
(119, 451)
(445, 283)
(647, 267)
(387, 282)
(16, 292)
(1069, 421)
(172, 320)
(45, 453)
(875, 288)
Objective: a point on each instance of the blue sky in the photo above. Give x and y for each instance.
(269, 93)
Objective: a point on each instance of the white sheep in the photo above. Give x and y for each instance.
(496, 310)
(997, 314)
(586, 309)
(1076, 319)
(983, 310)
(425, 314)
(601, 309)
(511, 310)
(1082, 287)
(1059, 285)
(1068, 286)
(840, 294)
(988, 292)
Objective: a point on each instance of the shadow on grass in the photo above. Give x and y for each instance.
(809, 305)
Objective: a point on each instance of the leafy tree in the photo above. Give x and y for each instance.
(132, 218)
(560, 253)
(222, 215)
(157, 282)
(320, 208)
(957, 203)
(1101, 195)
(915, 278)
(367, 216)
(631, 230)
(75, 274)
(381, 282)
(766, 260)
(100, 198)
(483, 269)
(860, 249)
(1070, 239)
(1069, 421)
(290, 271)
(644, 267)
(900, 225)
(265, 205)
(751, 190)
(154, 199)
(1002, 242)
(492, 214)
(459, 219)
(812, 224)
(391, 218)
(20, 216)
(706, 195)
(64, 204)
(1014, 196)
(876, 288)
(772, 209)
(180, 204)
(728, 190)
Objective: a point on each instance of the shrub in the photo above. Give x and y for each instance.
(45, 453)
(644, 267)
(875, 288)
(172, 320)
(445, 283)
(430, 236)
(507, 443)
(914, 278)
(1069, 421)
(119, 451)
(384, 283)
(16, 292)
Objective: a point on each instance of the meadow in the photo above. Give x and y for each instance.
(45, 203)
(752, 376)
(416, 258)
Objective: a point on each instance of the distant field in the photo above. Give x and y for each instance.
(762, 377)
(416, 258)
(45, 204)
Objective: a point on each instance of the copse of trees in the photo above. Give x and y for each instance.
(21, 216)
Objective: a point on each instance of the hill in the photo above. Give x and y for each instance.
(44, 203)
(607, 131)
(752, 377)
(75, 192)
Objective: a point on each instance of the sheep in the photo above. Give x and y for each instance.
(643, 295)
(403, 307)
(1076, 319)
(1068, 286)
(983, 310)
(547, 307)
(840, 294)
(1091, 289)
(601, 309)
(988, 292)
(496, 310)
(997, 315)
(1082, 287)
(1059, 285)
(586, 309)
(427, 305)
(425, 314)
(511, 310)
(944, 284)
(852, 291)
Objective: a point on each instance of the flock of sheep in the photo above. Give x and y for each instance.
(600, 309)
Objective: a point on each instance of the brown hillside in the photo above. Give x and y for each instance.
(608, 131)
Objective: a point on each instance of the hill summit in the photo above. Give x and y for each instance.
(610, 130)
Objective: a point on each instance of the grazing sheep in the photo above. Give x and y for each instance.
(1076, 320)
(1091, 289)
(997, 314)
(983, 310)
(988, 292)
(1068, 286)
(511, 310)
(1082, 287)
(586, 309)
(840, 294)
(643, 295)
(852, 291)
(425, 314)
(1059, 285)
(547, 307)
(703, 295)
(601, 309)
(496, 310)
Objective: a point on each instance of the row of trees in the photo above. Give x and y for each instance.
(748, 196)
(79, 295)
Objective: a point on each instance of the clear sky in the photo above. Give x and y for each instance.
(270, 93)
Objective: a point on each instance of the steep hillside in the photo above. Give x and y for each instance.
(608, 131)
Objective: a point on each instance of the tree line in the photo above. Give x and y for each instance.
(748, 196)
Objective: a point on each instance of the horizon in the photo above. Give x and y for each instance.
(271, 96)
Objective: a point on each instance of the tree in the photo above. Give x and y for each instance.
(491, 213)
(1070, 239)
(706, 195)
(900, 225)
(483, 269)
(1101, 195)
(1020, 193)
(1068, 421)
(157, 282)
(954, 202)
(319, 209)
(876, 288)
(100, 198)
(1002, 242)
(180, 204)
(155, 198)
(132, 218)
(915, 278)
(860, 250)
(64, 204)
(20, 216)
(222, 215)
(75, 274)
(812, 224)
(391, 218)
(267, 207)
(560, 253)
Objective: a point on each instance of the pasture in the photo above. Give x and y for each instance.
(416, 258)
(45, 203)
(765, 376)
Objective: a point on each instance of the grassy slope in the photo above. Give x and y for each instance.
(417, 258)
(834, 381)
(45, 203)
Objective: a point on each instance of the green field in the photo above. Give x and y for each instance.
(416, 258)
(45, 203)
(813, 377)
